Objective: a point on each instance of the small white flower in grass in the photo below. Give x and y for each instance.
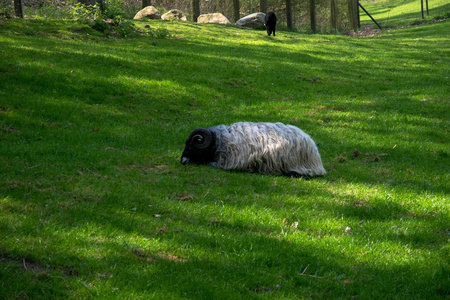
(347, 229)
(294, 225)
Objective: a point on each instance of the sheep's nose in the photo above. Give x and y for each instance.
(184, 160)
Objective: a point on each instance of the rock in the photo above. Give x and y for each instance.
(216, 18)
(149, 12)
(174, 14)
(255, 20)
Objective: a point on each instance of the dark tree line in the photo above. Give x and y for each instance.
(288, 12)
(286, 5)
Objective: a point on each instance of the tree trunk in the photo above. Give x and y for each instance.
(334, 14)
(195, 10)
(357, 13)
(312, 13)
(353, 14)
(146, 3)
(236, 8)
(263, 6)
(18, 8)
(289, 14)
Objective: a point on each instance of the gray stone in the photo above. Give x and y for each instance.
(174, 14)
(149, 12)
(216, 18)
(255, 20)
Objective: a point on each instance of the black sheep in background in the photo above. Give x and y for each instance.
(271, 22)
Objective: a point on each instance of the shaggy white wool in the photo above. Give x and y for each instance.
(270, 148)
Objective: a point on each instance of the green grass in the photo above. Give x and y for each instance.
(94, 202)
(393, 13)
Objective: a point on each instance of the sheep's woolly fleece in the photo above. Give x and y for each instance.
(270, 148)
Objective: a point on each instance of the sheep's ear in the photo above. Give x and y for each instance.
(201, 138)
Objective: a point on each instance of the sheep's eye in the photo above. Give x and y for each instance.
(198, 141)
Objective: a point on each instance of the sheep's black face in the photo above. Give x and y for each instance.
(200, 147)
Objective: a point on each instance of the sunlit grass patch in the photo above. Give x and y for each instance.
(401, 13)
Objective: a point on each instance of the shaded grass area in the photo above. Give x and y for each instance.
(94, 201)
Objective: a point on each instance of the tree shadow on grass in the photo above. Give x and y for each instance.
(189, 253)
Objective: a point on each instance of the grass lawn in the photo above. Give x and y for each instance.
(392, 13)
(94, 202)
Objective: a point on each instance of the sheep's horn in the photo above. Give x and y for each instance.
(201, 138)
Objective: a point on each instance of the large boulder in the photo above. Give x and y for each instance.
(255, 20)
(216, 18)
(174, 14)
(149, 12)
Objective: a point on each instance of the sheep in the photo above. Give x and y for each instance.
(271, 21)
(267, 148)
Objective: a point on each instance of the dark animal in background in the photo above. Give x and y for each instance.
(271, 22)
(268, 148)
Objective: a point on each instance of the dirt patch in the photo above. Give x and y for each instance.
(33, 266)
(365, 31)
